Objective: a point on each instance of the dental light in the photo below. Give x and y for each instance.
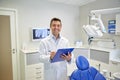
(95, 30)
(92, 31)
(99, 22)
(98, 28)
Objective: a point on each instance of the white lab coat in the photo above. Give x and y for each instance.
(57, 70)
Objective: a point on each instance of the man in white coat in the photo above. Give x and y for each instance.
(48, 48)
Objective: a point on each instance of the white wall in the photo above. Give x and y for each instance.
(98, 4)
(38, 13)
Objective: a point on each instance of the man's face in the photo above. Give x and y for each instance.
(55, 27)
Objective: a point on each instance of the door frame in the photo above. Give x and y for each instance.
(14, 40)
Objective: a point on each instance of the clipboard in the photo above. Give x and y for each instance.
(59, 52)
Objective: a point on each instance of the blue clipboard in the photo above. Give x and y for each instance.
(59, 52)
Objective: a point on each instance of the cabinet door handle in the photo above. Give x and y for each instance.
(13, 51)
(38, 72)
(38, 68)
(38, 77)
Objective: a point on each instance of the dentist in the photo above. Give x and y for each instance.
(48, 48)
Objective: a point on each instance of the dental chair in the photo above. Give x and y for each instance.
(84, 71)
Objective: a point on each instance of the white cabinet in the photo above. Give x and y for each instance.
(34, 72)
(31, 68)
(99, 55)
(118, 24)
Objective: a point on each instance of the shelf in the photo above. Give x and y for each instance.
(29, 51)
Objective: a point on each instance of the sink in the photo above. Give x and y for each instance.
(116, 75)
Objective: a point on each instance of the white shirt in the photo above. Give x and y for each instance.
(57, 70)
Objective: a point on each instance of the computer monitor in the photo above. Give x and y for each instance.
(39, 33)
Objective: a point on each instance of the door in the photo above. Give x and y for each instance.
(8, 58)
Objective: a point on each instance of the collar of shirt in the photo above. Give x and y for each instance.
(54, 38)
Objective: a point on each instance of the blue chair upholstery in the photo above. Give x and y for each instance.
(84, 71)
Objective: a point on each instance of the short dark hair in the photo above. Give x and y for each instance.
(55, 19)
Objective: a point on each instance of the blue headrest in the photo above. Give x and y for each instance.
(82, 63)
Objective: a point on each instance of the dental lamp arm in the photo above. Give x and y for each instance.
(98, 19)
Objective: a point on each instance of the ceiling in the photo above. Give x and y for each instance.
(73, 2)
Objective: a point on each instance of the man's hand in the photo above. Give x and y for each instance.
(66, 57)
(52, 54)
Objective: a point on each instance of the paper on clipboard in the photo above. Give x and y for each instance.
(59, 52)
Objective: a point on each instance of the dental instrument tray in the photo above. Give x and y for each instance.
(60, 52)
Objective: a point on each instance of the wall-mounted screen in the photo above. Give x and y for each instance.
(40, 33)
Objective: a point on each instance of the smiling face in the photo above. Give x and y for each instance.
(55, 27)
